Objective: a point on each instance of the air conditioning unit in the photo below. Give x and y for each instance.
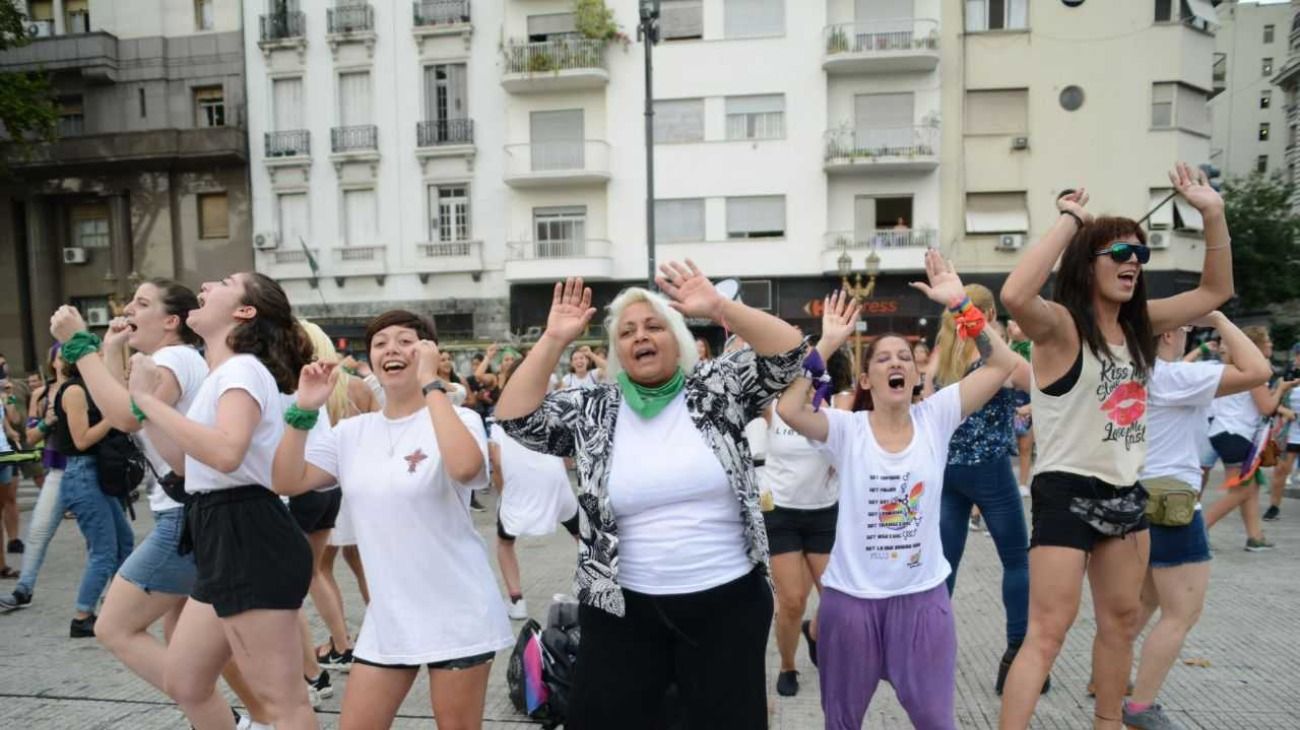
(1019, 143)
(41, 29)
(1011, 241)
(97, 316)
(266, 241)
(1157, 239)
(74, 255)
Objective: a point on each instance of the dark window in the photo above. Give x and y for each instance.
(1268, 34)
(1263, 131)
(1261, 164)
(143, 112)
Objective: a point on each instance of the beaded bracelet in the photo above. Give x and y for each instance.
(79, 345)
(300, 419)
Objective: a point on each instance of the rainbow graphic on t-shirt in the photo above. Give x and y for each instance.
(898, 514)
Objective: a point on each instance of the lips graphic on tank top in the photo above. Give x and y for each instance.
(1126, 404)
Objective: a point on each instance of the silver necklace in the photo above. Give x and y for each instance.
(388, 431)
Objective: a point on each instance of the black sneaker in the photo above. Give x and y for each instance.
(474, 503)
(17, 599)
(787, 683)
(339, 662)
(321, 684)
(16, 546)
(806, 626)
(83, 628)
(1272, 513)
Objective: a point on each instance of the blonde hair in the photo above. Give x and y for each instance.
(953, 352)
(339, 403)
(686, 355)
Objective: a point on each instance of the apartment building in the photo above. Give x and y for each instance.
(1249, 127)
(1048, 96)
(1287, 82)
(147, 175)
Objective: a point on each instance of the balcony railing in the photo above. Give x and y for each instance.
(906, 142)
(881, 238)
(362, 137)
(444, 132)
(71, 126)
(561, 249)
(564, 54)
(440, 12)
(446, 249)
(295, 256)
(350, 18)
(903, 34)
(281, 26)
(352, 254)
(294, 143)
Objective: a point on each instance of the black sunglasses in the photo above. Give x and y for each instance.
(1121, 252)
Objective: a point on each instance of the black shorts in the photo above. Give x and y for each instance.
(248, 551)
(570, 524)
(1053, 522)
(792, 530)
(1292, 448)
(1230, 447)
(316, 511)
(453, 665)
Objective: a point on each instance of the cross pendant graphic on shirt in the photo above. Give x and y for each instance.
(413, 460)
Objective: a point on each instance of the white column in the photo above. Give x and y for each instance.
(60, 22)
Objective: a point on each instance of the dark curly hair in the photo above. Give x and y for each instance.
(1075, 283)
(178, 299)
(273, 335)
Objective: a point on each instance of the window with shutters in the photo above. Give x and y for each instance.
(214, 216)
(286, 104)
(679, 120)
(560, 231)
(354, 99)
(209, 106)
(982, 15)
(1173, 213)
(758, 216)
(756, 117)
(1265, 99)
(556, 141)
(753, 18)
(1162, 105)
(1261, 164)
(360, 217)
(294, 220)
(1266, 67)
(551, 26)
(679, 219)
(203, 14)
(997, 111)
(90, 225)
(1268, 34)
(1264, 129)
(449, 213)
(681, 20)
(997, 212)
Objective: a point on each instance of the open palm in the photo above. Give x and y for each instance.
(1194, 186)
(691, 291)
(571, 310)
(839, 318)
(945, 286)
(315, 383)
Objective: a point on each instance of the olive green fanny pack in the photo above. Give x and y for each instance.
(1171, 503)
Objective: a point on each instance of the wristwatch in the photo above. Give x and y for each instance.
(433, 385)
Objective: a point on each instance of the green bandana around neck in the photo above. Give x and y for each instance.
(648, 402)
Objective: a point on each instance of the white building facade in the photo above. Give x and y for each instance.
(1250, 132)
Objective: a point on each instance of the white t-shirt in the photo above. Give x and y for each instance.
(246, 373)
(1293, 402)
(798, 474)
(190, 369)
(433, 595)
(887, 536)
(572, 380)
(1179, 395)
(679, 521)
(1235, 414)
(4, 439)
(535, 495)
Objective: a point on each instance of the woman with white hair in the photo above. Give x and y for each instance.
(672, 555)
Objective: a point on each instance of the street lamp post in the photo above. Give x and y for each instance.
(860, 292)
(647, 32)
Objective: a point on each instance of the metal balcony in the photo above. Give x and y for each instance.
(350, 19)
(882, 46)
(555, 65)
(282, 26)
(444, 132)
(895, 250)
(440, 12)
(359, 138)
(885, 149)
(293, 143)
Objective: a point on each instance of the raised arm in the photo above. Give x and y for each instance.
(1041, 320)
(482, 371)
(981, 384)
(571, 310)
(1216, 285)
(461, 456)
(839, 319)
(1249, 367)
(107, 388)
(291, 474)
(695, 296)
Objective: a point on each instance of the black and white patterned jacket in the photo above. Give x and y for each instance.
(722, 395)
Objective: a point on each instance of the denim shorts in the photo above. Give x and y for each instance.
(6, 473)
(1175, 546)
(156, 566)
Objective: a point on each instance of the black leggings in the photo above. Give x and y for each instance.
(712, 644)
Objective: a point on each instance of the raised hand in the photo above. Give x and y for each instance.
(315, 383)
(571, 311)
(945, 286)
(119, 331)
(839, 319)
(1195, 188)
(426, 354)
(66, 322)
(144, 375)
(1074, 203)
(691, 291)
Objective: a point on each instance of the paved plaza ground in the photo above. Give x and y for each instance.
(1247, 635)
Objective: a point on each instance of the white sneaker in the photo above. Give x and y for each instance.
(1024, 490)
(314, 698)
(518, 610)
(244, 722)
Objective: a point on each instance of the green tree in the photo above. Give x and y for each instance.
(27, 110)
(1265, 240)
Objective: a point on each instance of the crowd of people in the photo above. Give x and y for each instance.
(267, 453)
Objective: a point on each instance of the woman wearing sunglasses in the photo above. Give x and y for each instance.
(1093, 349)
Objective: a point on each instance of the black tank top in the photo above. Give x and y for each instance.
(60, 438)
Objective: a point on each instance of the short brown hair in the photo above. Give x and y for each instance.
(422, 325)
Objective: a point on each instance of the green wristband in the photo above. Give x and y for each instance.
(43, 427)
(78, 346)
(300, 419)
(1205, 350)
(135, 411)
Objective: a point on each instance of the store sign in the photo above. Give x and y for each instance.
(815, 308)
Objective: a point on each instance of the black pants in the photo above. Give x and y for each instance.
(711, 644)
